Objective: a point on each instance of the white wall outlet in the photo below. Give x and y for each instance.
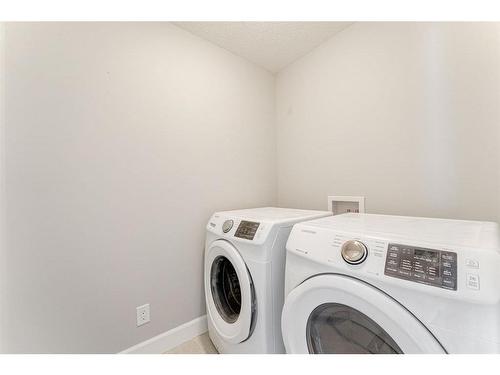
(341, 204)
(143, 314)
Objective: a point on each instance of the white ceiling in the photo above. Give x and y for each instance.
(272, 45)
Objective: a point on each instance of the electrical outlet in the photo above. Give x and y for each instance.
(143, 314)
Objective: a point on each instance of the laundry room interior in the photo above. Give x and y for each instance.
(249, 187)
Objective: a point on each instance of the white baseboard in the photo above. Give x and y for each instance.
(170, 339)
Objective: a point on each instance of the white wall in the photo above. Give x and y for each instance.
(119, 142)
(406, 114)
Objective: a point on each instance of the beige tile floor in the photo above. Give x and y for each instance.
(199, 345)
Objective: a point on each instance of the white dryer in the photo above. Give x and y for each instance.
(244, 277)
(359, 283)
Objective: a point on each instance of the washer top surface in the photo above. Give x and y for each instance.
(474, 234)
(273, 215)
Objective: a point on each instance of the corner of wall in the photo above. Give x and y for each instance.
(2, 179)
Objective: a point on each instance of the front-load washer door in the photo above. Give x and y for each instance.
(333, 313)
(229, 292)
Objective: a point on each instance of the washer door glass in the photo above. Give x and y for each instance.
(226, 290)
(229, 293)
(335, 328)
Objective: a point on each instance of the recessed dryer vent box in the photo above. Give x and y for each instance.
(341, 204)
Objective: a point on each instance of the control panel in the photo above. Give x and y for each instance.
(247, 230)
(421, 265)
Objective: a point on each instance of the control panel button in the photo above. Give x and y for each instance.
(419, 276)
(406, 265)
(472, 263)
(446, 272)
(403, 272)
(449, 282)
(392, 262)
(473, 281)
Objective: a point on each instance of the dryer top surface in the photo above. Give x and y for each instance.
(474, 234)
(274, 215)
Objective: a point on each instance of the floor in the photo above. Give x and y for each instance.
(199, 345)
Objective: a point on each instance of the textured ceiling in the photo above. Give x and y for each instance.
(272, 45)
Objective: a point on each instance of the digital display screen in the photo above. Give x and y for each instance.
(427, 255)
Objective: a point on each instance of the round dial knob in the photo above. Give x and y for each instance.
(354, 252)
(226, 227)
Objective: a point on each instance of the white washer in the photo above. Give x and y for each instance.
(244, 277)
(359, 283)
